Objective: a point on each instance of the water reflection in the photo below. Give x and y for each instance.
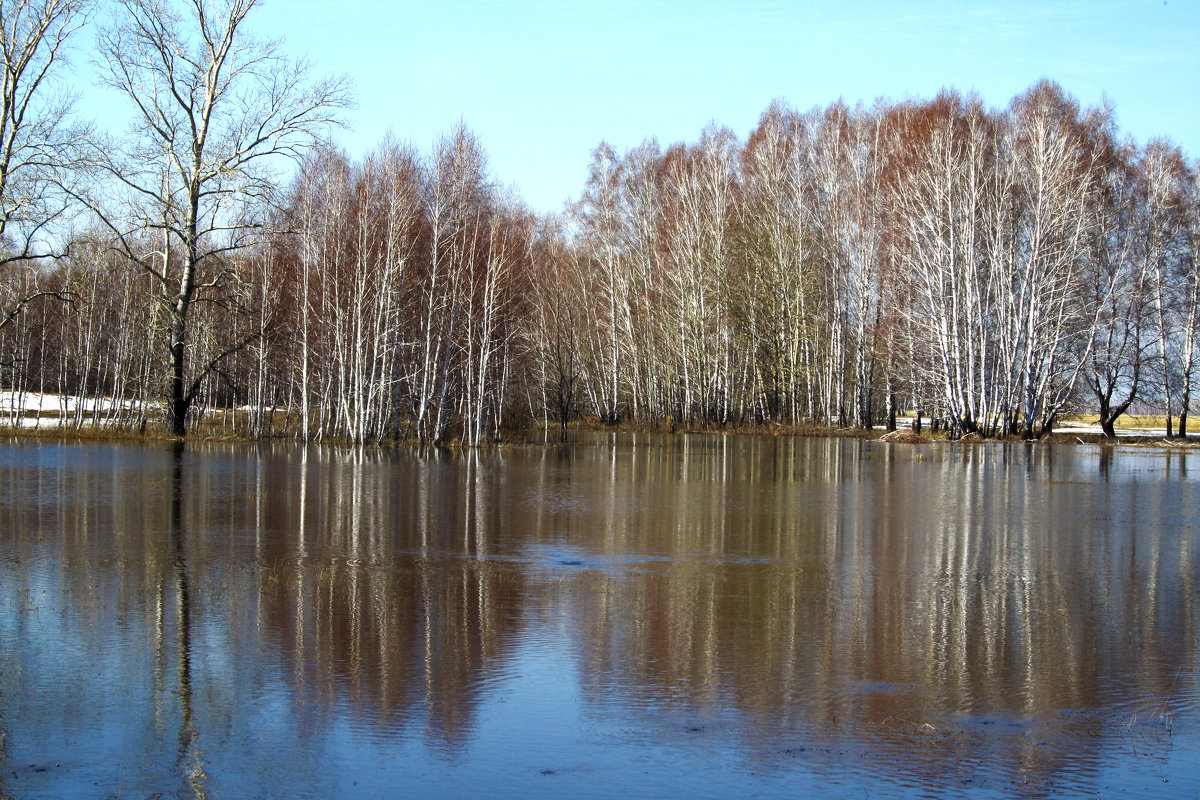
(369, 586)
(802, 610)
(191, 761)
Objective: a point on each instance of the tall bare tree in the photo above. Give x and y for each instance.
(39, 142)
(1164, 173)
(215, 112)
(777, 222)
(600, 222)
(1190, 318)
(456, 204)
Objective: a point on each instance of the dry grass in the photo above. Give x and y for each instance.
(84, 434)
(1169, 444)
(1125, 421)
(670, 425)
(904, 437)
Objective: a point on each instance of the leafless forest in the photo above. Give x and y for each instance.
(224, 261)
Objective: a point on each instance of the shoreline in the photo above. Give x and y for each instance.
(548, 436)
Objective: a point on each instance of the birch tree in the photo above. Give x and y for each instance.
(847, 169)
(455, 202)
(700, 184)
(1164, 173)
(777, 290)
(946, 218)
(598, 217)
(40, 144)
(215, 112)
(1190, 274)
(641, 203)
(495, 300)
(557, 302)
(1119, 289)
(1055, 172)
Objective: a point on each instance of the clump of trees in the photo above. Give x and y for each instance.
(400, 293)
(988, 267)
(991, 268)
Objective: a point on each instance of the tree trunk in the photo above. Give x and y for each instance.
(1108, 421)
(177, 401)
(1109, 415)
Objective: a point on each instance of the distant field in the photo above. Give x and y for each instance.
(1124, 421)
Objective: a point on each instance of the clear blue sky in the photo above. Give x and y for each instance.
(541, 83)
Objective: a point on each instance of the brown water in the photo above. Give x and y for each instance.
(628, 616)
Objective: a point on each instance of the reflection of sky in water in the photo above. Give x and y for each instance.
(703, 616)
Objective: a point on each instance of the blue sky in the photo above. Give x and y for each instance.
(541, 83)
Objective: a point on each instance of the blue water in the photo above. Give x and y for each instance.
(632, 616)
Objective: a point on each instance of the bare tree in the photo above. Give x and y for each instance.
(699, 186)
(1055, 172)
(39, 143)
(1164, 173)
(776, 230)
(948, 229)
(456, 202)
(599, 220)
(215, 112)
(556, 297)
(1118, 288)
(1190, 317)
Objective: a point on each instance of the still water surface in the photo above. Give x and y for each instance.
(635, 616)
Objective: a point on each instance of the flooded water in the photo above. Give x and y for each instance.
(635, 616)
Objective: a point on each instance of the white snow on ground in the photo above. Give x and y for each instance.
(35, 410)
(1085, 428)
(36, 422)
(55, 404)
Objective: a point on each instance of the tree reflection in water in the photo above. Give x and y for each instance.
(190, 763)
(945, 613)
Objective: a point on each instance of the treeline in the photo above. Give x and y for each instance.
(988, 268)
(992, 268)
